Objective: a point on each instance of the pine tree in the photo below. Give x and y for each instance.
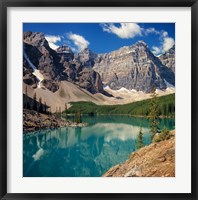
(56, 112)
(79, 117)
(60, 114)
(65, 106)
(50, 112)
(154, 114)
(140, 143)
(75, 117)
(45, 108)
(65, 111)
(40, 105)
(25, 98)
(35, 102)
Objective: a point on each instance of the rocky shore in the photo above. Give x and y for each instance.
(33, 121)
(154, 160)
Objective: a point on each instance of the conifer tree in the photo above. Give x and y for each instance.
(56, 112)
(65, 111)
(35, 102)
(140, 143)
(154, 114)
(40, 105)
(25, 98)
(65, 106)
(60, 115)
(45, 108)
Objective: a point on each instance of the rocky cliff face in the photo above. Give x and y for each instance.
(168, 58)
(45, 67)
(155, 160)
(86, 57)
(133, 67)
(65, 53)
(39, 56)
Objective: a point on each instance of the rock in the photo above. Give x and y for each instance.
(154, 160)
(133, 67)
(86, 57)
(91, 81)
(65, 53)
(59, 65)
(168, 58)
(33, 121)
(44, 59)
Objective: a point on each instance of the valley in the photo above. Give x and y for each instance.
(86, 113)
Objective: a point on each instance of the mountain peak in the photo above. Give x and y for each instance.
(64, 49)
(141, 43)
(36, 39)
(86, 50)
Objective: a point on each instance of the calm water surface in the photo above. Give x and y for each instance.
(84, 152)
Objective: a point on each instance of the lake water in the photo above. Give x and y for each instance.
(84, 152)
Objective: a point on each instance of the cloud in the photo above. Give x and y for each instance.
(168, 43)
(79, 41)
(165, 34)
(52, 39)
(151, 31)
(124, 31)
(156, 50)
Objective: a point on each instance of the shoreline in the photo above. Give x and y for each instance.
(35, 121)
(155, 160)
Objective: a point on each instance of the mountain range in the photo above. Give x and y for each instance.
(132, 67)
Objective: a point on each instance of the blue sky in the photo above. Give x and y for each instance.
(106, 37)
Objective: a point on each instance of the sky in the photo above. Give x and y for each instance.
(106, 37)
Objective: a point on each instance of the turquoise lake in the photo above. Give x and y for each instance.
(84, 152)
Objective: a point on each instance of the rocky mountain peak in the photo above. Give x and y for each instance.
(36, 39)
(168, 58)
(86, 57)
(64, 49)
(65, 53)
(39, 56)
(133, 67)
(59, 65)
(141, 43)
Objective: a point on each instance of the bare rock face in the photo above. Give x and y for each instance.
(91, 81)
(154, 160)
(133, 67)
(86, 57)
(59, 65)
(28, 77)
(168, 58)
(85, 77)
(44, 59)
(65, 53)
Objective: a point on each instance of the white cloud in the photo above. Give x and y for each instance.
(156, 50)
(150, 31)
(164, 33)
(79, 41)
(168, 43)
(124, 31)
(52, 39)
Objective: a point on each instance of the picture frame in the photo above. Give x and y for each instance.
(4, 100)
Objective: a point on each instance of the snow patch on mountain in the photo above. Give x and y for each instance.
(36, 72)
(39, 76)
(168, 84)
